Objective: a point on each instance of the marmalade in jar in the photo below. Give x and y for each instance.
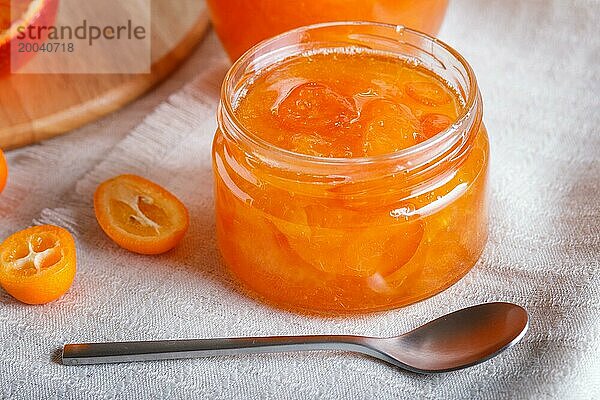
(345, 181)
(243, 23)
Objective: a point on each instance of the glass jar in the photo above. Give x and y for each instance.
(242, 23)
(304, 231)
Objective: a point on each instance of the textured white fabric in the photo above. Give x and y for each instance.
(537, 68)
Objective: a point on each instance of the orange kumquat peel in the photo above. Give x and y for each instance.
(38, 264)
(139, 215)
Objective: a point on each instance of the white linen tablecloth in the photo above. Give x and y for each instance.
(537, 65)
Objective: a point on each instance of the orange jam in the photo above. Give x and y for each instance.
(350, 171)
(243, 23)
(346, 104)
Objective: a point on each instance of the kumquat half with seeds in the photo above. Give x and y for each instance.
(139, 215)
(38, 264)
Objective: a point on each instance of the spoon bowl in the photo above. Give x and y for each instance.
(457, 340)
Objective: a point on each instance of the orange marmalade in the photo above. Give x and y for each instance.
(243, 23)
(350, 168)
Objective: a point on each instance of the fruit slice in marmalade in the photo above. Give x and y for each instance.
(389, 127)
(357, 252)
(139, 215)
(428, 93)
(314, 106)
(432, 124)
(37, 265)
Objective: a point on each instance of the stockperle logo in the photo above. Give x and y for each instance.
(81, 36)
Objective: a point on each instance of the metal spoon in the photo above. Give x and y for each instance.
(454, 341)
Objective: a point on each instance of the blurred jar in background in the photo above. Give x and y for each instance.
(241, 24)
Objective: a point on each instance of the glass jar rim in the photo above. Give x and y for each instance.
(226, 112)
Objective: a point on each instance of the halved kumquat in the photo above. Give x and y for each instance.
(139, 215)
(38, 264)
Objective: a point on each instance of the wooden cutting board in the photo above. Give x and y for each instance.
(37, 107)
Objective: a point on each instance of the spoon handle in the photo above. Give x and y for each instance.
(116, 352)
